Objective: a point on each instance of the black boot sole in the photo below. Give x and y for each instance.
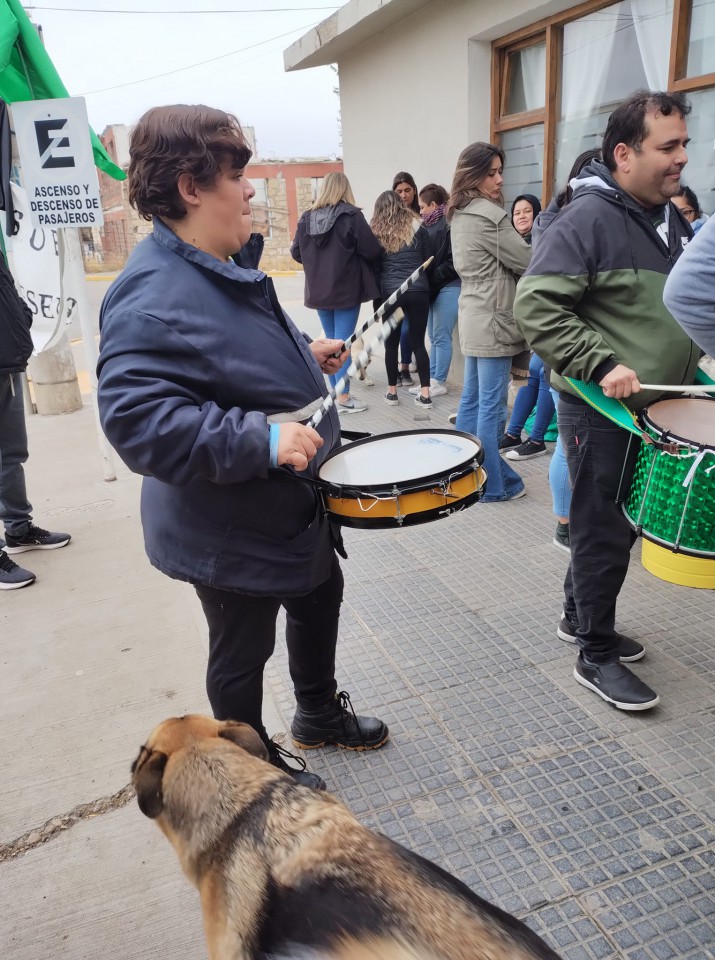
(343, 746)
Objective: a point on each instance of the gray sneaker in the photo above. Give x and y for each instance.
(351, 406)
(13, 577)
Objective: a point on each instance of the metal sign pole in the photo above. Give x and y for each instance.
(74, 266)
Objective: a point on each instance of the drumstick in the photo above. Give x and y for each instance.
(383, 332)
(381, 310)
(680, 387)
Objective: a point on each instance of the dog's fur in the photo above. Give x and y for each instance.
(286, 871)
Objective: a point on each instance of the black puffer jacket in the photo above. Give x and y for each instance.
(15, 323)
(395, 268)
(337, 249)
(442, 271)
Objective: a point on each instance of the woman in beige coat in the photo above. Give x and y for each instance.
(489, 256)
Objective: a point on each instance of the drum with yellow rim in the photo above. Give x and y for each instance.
(402, 479)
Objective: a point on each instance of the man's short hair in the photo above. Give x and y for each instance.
(627, 124)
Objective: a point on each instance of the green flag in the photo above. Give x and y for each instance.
(27, 73)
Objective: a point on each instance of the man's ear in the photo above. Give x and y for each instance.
(244, 736)
(622, 156)
(147, 776)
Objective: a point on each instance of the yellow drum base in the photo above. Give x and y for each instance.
(677, 567)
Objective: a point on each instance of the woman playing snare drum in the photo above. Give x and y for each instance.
(204, 387)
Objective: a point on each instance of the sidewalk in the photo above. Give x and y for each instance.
(595, 826)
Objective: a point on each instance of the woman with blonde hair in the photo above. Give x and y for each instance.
(338, 251)
(405, 246)
(489, 256)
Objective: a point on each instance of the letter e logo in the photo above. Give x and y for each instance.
(52, 148)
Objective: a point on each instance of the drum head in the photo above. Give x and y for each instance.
(689, 419)
(400, 458)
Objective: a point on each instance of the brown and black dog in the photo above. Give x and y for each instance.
(286, 871)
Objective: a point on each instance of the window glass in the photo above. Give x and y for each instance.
(699, 174)
(527, 79)
(606, 56)
(524, 168)
(701, 48)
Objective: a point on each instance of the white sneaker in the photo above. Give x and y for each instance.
(415, 390)
(437, 389)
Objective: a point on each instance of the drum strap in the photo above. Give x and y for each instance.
(296, 416)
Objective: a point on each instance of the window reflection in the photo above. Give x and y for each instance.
(524, 150)
(606, 56)
(527, 79)
(701, 48)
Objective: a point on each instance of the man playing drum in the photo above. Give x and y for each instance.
(591, 305)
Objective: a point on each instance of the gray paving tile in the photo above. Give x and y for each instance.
(681, 752)
(513, 719)
(572, 932)
(664, 913)
(598, 814)
(467, 832)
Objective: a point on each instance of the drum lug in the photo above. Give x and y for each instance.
(399, 517)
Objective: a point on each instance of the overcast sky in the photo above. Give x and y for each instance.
(294, 114)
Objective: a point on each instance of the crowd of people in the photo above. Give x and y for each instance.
(580, 284)
(206, 387)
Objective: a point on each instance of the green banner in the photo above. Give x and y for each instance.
(27, 73)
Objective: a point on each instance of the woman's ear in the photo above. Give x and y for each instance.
(188, 191)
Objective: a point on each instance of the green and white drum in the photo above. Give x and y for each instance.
(672, 496)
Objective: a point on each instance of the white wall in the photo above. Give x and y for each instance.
(414, 96)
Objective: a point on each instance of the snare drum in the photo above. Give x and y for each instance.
(672, 496)
(401, 479)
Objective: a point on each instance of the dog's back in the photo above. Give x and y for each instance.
(285, 871)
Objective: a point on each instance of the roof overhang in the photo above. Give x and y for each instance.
(350, 26)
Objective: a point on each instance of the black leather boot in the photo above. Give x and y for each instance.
(336, 722)
(302, 776)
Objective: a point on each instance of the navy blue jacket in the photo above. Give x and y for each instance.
(195, 356)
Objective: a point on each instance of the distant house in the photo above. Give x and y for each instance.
(419, 80)
(284, 189)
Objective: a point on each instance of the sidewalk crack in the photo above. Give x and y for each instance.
(57, 825)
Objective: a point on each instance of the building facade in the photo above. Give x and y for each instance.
(284, 189)
(420, 80)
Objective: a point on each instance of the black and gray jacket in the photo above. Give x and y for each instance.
(592, 296)
(15, 323)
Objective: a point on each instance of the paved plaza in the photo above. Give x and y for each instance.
(595, 826)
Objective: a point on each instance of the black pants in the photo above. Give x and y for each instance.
(416, 307)
(599, 461)
(242, 635)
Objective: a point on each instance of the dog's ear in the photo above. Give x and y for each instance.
(244, 736)
(147, 775)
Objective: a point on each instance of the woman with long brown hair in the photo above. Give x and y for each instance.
(405, 245)
(489, 256)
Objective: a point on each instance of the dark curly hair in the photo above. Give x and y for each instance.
(627, 124)
(169, 141)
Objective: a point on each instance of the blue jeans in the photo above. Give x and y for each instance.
(534, 392)
(482, 412)
(339, 325)
(405, 343)
(15, 510)
(440, 326)
(559, 474)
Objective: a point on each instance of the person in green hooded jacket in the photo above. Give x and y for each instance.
(591, 305)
